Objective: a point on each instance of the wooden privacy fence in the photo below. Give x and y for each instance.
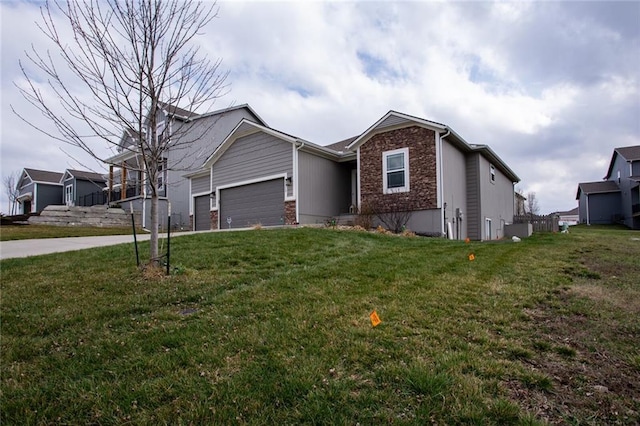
(548, 223)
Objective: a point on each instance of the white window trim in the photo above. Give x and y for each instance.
(406, 186)
(68, 195)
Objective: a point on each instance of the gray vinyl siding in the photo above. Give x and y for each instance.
(324, 188)
(472, 215)
(626, 209)
(46, 195)
(201, 138)
(454, 188)
(200, 184)
(582, 208)
(83, 187)
(635, 168)
(497, 199)
(391, 121)
(26, 189)
(253, 157)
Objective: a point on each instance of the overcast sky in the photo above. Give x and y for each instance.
(551, 87)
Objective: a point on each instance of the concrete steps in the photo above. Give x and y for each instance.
(96, 216)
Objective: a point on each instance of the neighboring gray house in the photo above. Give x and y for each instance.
(616, 199)
(203, 132)
(37, 189)
(259, 175)
(82, 188)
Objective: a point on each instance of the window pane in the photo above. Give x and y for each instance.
(395, 179)
(395, 162)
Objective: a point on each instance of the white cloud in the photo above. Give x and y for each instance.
(551, 87)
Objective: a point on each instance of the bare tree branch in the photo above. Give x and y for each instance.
(116, 66)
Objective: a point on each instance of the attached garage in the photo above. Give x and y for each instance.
(202, 220)
(258, 203)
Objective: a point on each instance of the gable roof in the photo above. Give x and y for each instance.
(389, 120)
(601, 187)
(188, 116)
(176, 111)
(342, 145)
(629, 153)
(572, 212)
(247, 127)
(394, 119)
(85, 175)
(43, 176)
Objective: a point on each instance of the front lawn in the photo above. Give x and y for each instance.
(27, 232)
(272, 327)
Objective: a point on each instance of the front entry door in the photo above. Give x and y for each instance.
(68, 195)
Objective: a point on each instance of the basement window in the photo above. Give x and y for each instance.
(395, 171)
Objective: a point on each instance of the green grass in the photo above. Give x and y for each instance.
(26, 232)
(272, 327)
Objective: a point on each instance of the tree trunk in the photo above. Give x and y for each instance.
(153, 246)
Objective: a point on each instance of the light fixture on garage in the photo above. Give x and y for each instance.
(288, 181)
(212, 196)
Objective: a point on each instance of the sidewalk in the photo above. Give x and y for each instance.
(26, 248)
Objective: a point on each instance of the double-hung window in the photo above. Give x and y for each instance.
(162, 174)
(395, 171)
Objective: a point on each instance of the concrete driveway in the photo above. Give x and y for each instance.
(26, 248)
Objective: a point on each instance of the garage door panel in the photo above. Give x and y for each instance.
(202, 213)
(246, 205)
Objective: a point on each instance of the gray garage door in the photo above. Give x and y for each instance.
(248, 205)
(203, 216)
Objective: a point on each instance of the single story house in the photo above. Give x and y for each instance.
(82, 188)
(37, 189)
(259, 175)
(616, 199)
(40, 188)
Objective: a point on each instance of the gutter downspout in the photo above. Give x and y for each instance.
(295, 181)
(440, 181)
(586, 197)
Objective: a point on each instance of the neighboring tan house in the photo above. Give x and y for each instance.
(616, 199)
(518, 208)
(127, 182)
(82, 188)
(37, 189)
(259, 175)
(570, 217)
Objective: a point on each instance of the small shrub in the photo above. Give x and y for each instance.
(365, 216)
(256, 226)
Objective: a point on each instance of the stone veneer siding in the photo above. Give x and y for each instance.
(422, 193)
(290, 213)
(214, 219)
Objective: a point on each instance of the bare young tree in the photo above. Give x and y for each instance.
(532, 206)
(10, 183)
(117, 65)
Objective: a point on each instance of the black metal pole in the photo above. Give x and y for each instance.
(168, 239)
(135, 239)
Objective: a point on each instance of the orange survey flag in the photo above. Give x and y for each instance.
(375, 319)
